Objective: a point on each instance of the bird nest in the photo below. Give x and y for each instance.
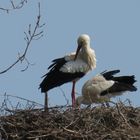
(118, 122)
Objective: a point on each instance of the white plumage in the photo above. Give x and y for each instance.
(71, 67)
(85, 59)
(75, 66)
(102, 87)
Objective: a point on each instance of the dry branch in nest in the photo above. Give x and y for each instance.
(99, 123)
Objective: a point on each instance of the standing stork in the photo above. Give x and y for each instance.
(104, 86)
(70, 68)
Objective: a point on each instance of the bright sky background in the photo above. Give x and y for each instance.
(114, 28)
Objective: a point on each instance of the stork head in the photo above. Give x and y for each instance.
(83, 40)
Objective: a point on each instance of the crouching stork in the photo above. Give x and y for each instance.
(103, 86)
(70, 68)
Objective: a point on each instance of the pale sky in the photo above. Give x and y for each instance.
(114, 28)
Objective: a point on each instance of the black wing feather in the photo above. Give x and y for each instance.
(125, 79)
(122, 83)
(55, 77)
(56, 65)
(109, 74)
(119, 87)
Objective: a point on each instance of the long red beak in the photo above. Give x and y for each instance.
(77, 51)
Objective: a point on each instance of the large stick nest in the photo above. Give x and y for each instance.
(118, 122)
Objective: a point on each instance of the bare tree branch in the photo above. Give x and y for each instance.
(21, 98)
(14, 6)
(28, 63)
(29, 37)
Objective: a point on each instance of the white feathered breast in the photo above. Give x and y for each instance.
(75, 66)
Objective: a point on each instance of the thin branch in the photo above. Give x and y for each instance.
(71, 131)
(21, 98)
(121, 114)
(67, 100)
(14, 6)
(28, 63)
(4, 9)
(29, 37)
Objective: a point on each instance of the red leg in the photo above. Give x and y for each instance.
(73, 93)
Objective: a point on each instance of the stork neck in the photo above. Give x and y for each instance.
(88, 56)
(84, 51)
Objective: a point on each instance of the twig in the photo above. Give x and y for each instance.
(60, 107)
(121, 114)
(14, 6)
(29, 37)
(41, 136)
(28, 63)
(67, 100)
(4, 131)
(8, 95)
(71, 131)
(72, 123)
(4, 9)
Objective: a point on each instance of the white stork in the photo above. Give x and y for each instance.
(104, 86)
(71, 67)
